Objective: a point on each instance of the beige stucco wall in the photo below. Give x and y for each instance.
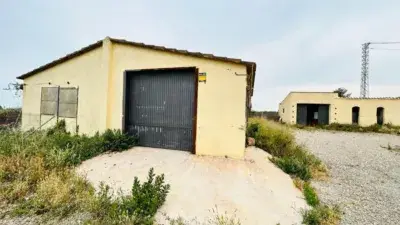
(368, 110)
(340, 110)
(221, 118)
(85, 72)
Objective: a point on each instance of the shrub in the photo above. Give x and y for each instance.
(293, 166)
(310, 194)
(322, 215)
(275, 139)
(280, 143)
(137, 208)
(59, 148)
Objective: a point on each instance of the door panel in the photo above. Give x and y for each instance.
(323, 114)
(160, 108)
(301, 114)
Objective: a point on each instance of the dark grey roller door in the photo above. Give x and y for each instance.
(301, 114)
(160, 107)
(323, 114)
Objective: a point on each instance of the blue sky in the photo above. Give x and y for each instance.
(297, 45)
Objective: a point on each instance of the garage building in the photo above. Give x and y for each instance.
(312, 108)
(170, 98)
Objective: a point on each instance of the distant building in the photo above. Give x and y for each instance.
(311, 108)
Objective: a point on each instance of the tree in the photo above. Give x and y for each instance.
(342, 92)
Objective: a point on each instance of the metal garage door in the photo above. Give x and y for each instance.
(301, 114)
(323, 114)
(160, 107)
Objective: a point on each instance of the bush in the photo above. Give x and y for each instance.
(275, 139)
(293, 166)
(280, 143)
(310, 194)
(137, 208)
(59, 148)
(322, 215)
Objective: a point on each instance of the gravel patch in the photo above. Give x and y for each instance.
(364, 177)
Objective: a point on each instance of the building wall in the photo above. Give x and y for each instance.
(221, 118)
(294, 98)
(368, 109)
(341, 108)
(286, 110)
(85, 72)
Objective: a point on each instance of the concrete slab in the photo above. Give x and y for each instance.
(252, 189)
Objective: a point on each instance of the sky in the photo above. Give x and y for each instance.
(297, 45)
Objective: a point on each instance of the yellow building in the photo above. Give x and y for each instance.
(170, 98)
(308, 108)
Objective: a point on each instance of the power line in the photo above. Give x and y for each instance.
(386, 49)
(384, 43)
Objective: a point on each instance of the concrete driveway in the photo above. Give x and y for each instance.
(253, 190)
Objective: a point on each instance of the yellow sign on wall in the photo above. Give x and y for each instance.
(202, 77)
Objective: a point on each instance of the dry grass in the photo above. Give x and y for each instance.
(62, 192)
(19, 176)
(298, 183)
(389, 147)
(36, 170)
(320, 172)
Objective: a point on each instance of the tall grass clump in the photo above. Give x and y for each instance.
(36, 168)
(279, 141)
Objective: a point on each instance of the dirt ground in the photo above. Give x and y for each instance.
(253, 190)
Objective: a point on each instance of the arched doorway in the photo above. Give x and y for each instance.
(380, 115)
(355, 112)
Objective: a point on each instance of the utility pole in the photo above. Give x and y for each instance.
(364, 86)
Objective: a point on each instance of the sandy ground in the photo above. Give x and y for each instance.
(253, 189)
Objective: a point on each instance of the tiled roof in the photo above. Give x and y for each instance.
(251, 66)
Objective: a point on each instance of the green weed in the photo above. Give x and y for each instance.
(310, 195)
(322, 215)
